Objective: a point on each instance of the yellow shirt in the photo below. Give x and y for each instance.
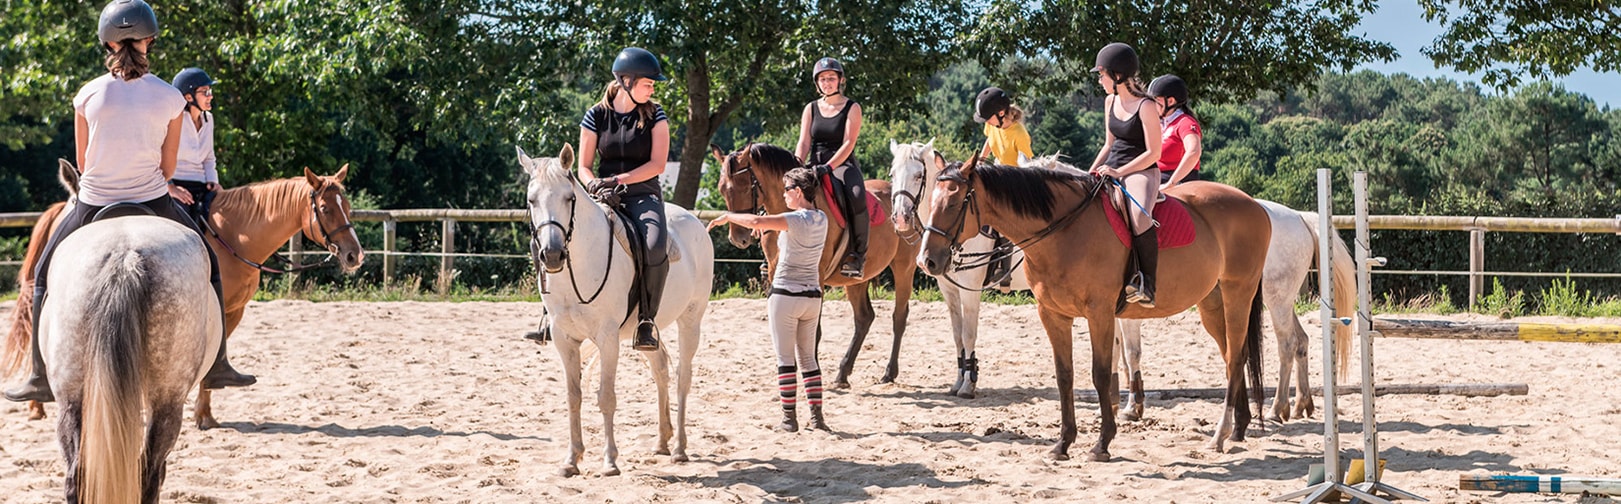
(1007, 143)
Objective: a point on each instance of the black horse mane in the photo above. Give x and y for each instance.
(774, 161)
(1026, 190)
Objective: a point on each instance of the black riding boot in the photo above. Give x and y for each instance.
(1141, 289)
(37, 388)
(647, 331)
(856, 260)
(221, 374)
(1003, 266)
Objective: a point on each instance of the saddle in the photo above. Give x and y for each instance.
(631, 239)
(1175, 225)
(839, 197)
(121, 209)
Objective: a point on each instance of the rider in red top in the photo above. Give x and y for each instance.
(1180, 133)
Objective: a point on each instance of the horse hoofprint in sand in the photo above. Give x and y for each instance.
(582, 249)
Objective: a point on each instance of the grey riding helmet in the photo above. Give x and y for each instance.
(638, 62)
(188, 80)
(827, 65)
(125, 20)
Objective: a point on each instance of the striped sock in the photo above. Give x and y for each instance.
(787, 387)
(813, 387)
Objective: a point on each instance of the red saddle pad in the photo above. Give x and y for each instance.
(875, 213)
(1175, 225)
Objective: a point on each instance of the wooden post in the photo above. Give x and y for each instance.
(447, 246)
(295, 251)
(1477, 264)
(390, 230)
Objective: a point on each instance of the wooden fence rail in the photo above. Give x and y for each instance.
(1477, 227)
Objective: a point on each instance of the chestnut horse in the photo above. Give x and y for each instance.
(1075, 264)
(751, 181)
(253, 220)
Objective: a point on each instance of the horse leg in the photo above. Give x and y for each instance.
(658, 364)
(1304, 407)
(1130, 333)
(161, 435)
(36, 410)
(69, 429)
(568, 350)
(970, 338)
(1060, 334)
(205, 399)
(903, 300)
(861, 311)
(1215, 323)
(954, 308)
(1101, 324)
(608, 401)
(689, 325)
(1292, 343)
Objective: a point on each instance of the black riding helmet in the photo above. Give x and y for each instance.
(826, 65)
(1118, 59)
(188, 80)
(126, 19)
(1169, 86)
(991, 101)
(638, 62)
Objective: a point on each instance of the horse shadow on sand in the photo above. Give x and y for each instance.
(381, 431)
(931, 397)
(828, 480)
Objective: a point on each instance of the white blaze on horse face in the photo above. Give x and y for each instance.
(550, 197)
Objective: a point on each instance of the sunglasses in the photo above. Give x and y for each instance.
(206, 92)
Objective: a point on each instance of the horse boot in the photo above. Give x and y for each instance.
(1146, 247)
(37, 388)
(856, 260)
(221, 374)
(647, 331)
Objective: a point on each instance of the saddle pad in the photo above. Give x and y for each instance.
(1175, 225)
(875, 213)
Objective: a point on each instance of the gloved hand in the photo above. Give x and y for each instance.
(596, 185)
(822, 169)
(609, 195)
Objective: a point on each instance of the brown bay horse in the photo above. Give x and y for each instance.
(253, 220)
(1075, 266)
(751, 181)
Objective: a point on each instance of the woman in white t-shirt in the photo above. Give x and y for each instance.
(795, 305)
(196, 177)
(127, 131)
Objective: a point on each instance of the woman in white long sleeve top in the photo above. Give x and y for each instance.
(196, 179)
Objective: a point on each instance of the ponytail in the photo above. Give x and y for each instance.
(126, 63)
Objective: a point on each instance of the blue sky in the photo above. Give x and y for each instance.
(1401, 23)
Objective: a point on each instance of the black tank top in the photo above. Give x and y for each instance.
(827, 134)
(1128, 137)
(621, 146)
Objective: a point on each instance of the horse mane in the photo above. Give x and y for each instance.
(244, 200)
(771, 159)
(1028, 191)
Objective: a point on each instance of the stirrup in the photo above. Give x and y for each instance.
(649, 344)
(852, 266)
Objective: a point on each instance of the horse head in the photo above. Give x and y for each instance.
(739, 188)
(331, 219)
(551, 196)
(908, 175)
(953, 217)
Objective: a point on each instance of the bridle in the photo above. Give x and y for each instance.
(754, 184)
(982, 259)
(568, 237)
(906, 193)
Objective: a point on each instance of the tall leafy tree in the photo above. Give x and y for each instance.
(1507, 40)
(1226, 50)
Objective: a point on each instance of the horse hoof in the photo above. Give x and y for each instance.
(569, 471)
(1058, 454)
(680, 457)
(841, 385)
(1216, 447)
(661, 451)
(36, 410)
(1100, 456)
(1130, 416)
(207, 423)
(887, 379)
(966, 393)
(610, 471)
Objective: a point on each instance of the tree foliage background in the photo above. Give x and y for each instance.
(426, 99)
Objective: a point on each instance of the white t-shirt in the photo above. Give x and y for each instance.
(196, 159)
(799, 251)
(128, 121)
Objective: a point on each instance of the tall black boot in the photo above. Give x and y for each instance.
(37, 388)
(221, 374)
(1141, 289)
(647, 331)
(856, 260)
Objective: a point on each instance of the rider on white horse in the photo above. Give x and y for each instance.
(1005, 139)
(129, 123)
(629, 134)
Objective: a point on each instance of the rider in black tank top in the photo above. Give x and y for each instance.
(1131, 158)
(820, 140)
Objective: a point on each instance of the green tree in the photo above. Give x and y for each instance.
(1510, 39)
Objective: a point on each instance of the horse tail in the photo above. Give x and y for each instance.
(1252, 349)
(111, 439)
(19, 340)
(1345, 289)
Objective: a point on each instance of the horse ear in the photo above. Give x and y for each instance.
(314, 180)
(342, 172)
(967, 169)
(524, 161)
(930, 143)
(720, 155)
(68, 176)
(565, 158)
(893, 146)
(939, 162)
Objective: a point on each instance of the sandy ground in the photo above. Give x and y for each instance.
(444, 402)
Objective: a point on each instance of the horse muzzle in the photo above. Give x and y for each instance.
(740, 237)
(934, 262)
(552, 259)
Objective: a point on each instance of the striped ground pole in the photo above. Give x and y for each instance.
(1539, 484)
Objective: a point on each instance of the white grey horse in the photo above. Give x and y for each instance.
(912, 176)
(1289, 257)
(586, 262)
(131, 321)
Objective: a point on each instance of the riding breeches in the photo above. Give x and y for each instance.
(855, 185)
(648, 213)
(1143, 188)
